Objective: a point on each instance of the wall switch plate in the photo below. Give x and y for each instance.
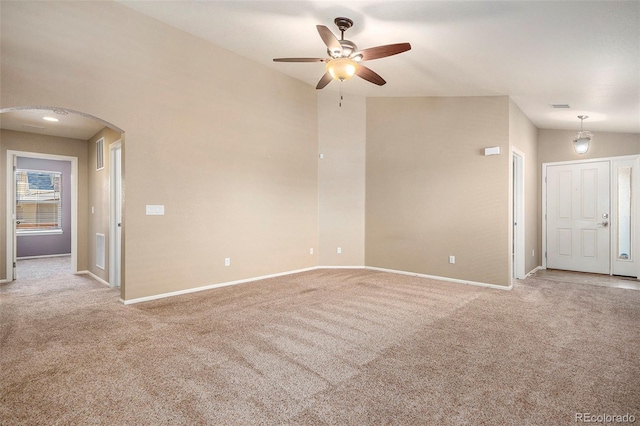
(93, 210)
(533, 253)
(155, 210)
(452, 259)
(227, 261)
(339, 250)
(311, 251)
(494, 150)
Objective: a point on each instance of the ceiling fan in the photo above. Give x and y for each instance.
(345, 60)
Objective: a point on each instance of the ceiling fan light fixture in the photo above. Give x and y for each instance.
(342, 68)
(582, 139)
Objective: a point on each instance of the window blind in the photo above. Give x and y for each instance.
(38, 200)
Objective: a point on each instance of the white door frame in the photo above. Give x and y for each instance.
(11, 199)
(518, 211)
(613, 219)
(115, 249)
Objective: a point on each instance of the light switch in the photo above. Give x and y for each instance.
(155, 210)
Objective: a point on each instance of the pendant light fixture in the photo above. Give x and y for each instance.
(582, 139)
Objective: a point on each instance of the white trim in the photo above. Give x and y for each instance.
(24, 233)
(44, 256)
(113, 224)
(11, 154)
(590, 160)
(94, 276)
(534, 270)
(341, 267)
(212, 286)
(5, 281)
(519, 266)
(297, 271)
(434, 277)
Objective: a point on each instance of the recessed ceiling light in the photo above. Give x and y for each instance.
(50, 118)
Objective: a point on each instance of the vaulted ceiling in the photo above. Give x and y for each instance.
(582, 53)
(585, 54)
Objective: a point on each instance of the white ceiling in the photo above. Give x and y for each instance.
(582, 53)
(70, 125)
(585, 54)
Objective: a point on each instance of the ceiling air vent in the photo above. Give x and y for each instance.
(561, 106)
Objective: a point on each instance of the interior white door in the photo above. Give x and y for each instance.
(14, 221)
(115, 243)
(578, 232)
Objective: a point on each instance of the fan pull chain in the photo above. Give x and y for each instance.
(341, 97)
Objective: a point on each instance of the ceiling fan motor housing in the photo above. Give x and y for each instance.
(348, 48)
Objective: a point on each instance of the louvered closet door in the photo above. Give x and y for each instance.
(578, 231)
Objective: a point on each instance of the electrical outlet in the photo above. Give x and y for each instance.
(339, 250)
(227, 261)
(452, 259)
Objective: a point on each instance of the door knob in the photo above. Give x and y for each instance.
(604, 223)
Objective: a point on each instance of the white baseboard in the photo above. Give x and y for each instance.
(434, 277)
(340, 267)
(534, 270)
(94, 276)
(4, 281)
(43, 256)
(297, 271)
(212, 286)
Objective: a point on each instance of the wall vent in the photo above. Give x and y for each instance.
(561, 106)
(100, 154)
(100, 251)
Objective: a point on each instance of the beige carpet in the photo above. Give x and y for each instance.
(323, 347)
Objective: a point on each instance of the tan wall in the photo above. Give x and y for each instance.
(523, 136)
(432, 193)
(228, 146)
(99, 200)
(29, 142)
(557, 145)
(341, 178)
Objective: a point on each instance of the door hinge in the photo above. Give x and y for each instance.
(545, 254)
(15, 265)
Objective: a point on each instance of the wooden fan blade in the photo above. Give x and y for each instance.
(329, 39)
(369, 75)
(326, 79)
(384, 51)
(300, 60)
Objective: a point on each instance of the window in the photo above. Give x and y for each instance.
(38, 201)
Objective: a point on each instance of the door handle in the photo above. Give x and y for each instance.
(604, 223)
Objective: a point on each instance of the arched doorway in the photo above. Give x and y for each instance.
(85, 141)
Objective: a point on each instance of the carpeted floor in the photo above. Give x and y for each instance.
(324, 347)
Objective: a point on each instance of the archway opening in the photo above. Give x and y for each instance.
(60, 134)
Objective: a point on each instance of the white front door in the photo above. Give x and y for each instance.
(578, 235)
